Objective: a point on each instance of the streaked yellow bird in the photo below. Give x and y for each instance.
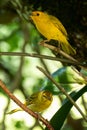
(51, 28)
(37, 102)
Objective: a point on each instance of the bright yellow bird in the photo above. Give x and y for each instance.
(51, 28)
(37, 102)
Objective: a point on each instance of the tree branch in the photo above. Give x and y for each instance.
(41, 56)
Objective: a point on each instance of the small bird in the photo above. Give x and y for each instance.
(51, 28)
(37, 102)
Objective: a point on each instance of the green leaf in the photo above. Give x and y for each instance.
(60, 116)
(68, 77)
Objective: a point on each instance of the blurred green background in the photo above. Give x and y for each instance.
(18, 34)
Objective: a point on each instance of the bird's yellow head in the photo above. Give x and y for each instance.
(38, 16)
(47, 96)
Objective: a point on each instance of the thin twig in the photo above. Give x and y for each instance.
(23, 14)
(62, 53)
(18, 6)
(24, 107)
(63, 91)
(56, 49)
(18, 74)
(40, 56)
(37, 49)
(3, 126)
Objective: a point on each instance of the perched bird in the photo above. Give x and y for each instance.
(37, 102)
(51, 28)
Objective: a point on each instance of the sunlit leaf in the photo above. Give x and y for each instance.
(68, 77)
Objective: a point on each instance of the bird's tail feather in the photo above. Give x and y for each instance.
(14, 110)
(66, 47)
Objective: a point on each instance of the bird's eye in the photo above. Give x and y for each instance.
(38, 14)
(44, 96)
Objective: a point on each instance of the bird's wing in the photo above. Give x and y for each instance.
(31, 100)
(58, 24)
